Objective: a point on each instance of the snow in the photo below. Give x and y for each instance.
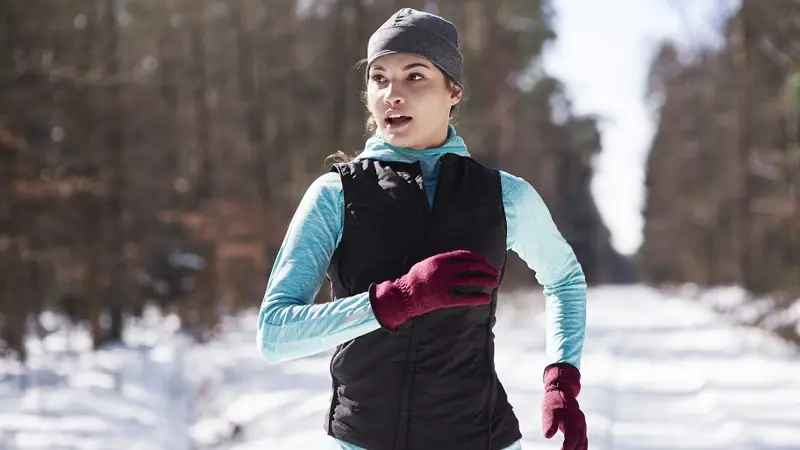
(779, 315)
(661, 370)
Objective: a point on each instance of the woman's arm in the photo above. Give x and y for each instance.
(290, 325)
(533, 235)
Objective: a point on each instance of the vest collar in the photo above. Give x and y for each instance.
(377, 148)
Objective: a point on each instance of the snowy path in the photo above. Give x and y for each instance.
(658, 373)
(667, 374)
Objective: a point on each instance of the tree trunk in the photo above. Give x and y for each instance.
(116, 292)
(199, 83)
(248, 65)
(744, 117)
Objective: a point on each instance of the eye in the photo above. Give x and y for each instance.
(378, 78)
(416, 76)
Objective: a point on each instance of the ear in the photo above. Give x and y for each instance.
(456, 93)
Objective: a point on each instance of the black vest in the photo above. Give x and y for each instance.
(431, 384)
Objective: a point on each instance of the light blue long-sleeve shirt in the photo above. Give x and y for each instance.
(291, 326)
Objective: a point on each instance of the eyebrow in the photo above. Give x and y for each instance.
(409, 66)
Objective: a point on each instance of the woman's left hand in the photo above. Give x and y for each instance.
(560, 409)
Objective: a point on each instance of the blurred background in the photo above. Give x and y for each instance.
(152, 153)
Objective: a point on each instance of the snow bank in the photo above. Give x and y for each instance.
(68, 397)
(780, 317)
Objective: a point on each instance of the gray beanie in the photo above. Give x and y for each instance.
(419, 33)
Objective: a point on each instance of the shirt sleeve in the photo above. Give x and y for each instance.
(290, 325)
(533, 236)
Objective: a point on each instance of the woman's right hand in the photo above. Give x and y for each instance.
(457, 278)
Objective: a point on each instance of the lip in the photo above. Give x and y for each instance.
(392, 112)
(395, 127)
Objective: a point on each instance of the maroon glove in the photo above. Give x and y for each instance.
(441, 281)
(560, 410)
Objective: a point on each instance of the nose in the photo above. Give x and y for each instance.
(393, 94)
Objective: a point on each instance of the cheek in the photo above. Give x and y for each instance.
(441, 106)
(439, 100)
(372, 99)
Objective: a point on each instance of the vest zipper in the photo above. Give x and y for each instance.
(427, 209)
(401, 435)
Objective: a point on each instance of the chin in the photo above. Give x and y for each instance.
(398, 139)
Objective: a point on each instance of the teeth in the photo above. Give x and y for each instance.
(395, 116)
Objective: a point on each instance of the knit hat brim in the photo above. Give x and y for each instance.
(383, 53)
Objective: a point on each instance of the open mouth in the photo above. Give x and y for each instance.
(397, 119)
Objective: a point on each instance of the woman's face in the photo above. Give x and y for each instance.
(410, 99)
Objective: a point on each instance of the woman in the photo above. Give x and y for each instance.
(412, 235)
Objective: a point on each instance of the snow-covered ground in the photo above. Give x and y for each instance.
(659, 372)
